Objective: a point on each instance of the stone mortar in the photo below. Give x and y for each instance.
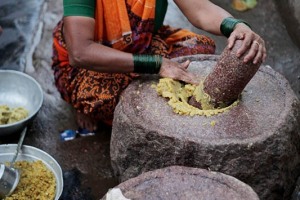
(182, 183)
(256, 141)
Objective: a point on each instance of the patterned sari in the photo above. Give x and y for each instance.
(129, 28)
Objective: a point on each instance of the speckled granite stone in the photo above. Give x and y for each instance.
(182, 183)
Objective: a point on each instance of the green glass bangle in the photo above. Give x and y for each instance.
(147, 64)
(228, 24)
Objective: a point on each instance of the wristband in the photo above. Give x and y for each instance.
(147, 64)
(228, 24)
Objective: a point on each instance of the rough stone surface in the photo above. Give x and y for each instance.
(255, 141)
(182, 183)
(292, 19)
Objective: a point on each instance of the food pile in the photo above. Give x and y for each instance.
(11, 115)
(178, 95)
(36, 182)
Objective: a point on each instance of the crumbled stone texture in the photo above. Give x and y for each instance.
(256, 142)
(182, 183)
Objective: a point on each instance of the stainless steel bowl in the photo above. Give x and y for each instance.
(19, 89)
(30, 153)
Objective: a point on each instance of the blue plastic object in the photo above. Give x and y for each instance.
(68, 135)
(71, 134)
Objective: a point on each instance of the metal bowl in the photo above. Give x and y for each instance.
(18, 89)
(29, 153)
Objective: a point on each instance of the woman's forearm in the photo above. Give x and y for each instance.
(203, 14)
(100, 58)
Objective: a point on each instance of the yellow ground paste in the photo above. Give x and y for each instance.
(11, 115)
(179, 94)
(37, 182)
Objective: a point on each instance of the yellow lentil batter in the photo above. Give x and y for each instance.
(10, 115)
(37, 182)
(179, 94)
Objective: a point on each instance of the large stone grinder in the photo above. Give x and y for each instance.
(256, 141)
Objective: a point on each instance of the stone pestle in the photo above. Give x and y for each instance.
(228, 78)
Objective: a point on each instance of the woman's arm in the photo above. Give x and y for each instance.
(207, 16)
(203, 14)
(84, 52)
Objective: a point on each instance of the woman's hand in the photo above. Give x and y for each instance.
(177, 71)
(251, 41)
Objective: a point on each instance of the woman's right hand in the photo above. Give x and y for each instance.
(177, 71)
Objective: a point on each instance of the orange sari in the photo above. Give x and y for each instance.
(127, 26)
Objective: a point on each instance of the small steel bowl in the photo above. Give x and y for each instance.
(30, 153)
(18, 89)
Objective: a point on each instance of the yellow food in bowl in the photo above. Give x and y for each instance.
(36, 182)
(10, 115)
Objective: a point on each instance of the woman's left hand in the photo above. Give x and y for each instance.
(251, 41)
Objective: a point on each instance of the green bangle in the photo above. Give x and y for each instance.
(228, 24)
(147, 64)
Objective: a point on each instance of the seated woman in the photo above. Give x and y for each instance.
(101, 46)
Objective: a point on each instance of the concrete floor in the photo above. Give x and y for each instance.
(90, 155)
